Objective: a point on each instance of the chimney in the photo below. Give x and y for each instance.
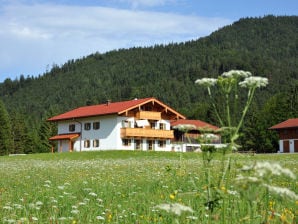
(108, 102)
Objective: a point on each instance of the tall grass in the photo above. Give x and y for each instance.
(142, 187)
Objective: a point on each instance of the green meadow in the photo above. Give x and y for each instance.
(148, 187)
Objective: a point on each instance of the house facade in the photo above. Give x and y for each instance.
(288, 135)
(139, 124)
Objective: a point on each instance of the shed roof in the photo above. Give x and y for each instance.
(290, 123)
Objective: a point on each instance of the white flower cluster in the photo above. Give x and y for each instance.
(282, 191)
(175, 208)
(254, 81)
(206, 82)
(184, 127)
(236, 74)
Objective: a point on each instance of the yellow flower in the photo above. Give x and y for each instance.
(172, 196)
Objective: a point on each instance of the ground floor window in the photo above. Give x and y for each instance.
(126, 142)
(138, 144)
(87, 144)
(162, 143)
(96, 143)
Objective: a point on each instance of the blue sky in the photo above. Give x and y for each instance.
(35, 34)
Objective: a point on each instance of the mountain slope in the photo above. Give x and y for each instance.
(265, 46)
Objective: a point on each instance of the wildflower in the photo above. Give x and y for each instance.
(282, 191)
(100, 217)
(75, 211)
(33, 218)
(93, 194)
(175, 208)
(184, 127)
(208, 82)
(7, 207)
(39, 203)
(236, 74)
(172, 196)
(253, 82)
(263, 168)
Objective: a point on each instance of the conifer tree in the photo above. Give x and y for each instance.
(5, 131)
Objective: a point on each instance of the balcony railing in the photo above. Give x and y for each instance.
(146, 133)
(150, 115)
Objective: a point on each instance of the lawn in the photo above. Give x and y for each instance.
(148, 187)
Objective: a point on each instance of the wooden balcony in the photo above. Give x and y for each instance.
(150, 115)
(146, 133)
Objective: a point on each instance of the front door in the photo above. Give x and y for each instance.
(286, 146)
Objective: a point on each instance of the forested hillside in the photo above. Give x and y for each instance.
(265, 46)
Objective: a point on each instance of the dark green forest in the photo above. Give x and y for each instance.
(265, 46)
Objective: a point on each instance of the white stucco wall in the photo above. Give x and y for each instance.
(109, 134)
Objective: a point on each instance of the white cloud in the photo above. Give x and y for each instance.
(33, 36)
(147, 3)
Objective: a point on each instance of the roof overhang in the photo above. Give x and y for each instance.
(64, 137)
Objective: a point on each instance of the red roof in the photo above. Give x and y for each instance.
(107, 108)
(290, 123)
(64, 136)
(196, 123)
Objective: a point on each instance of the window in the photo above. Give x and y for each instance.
(87, 126)
(87, 144)
(127, 124)
(72, 127)
(162, 143)
(96, 125)
(96, 143)
(126, 142)
(162, 126)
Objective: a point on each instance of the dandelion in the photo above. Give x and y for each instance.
(175, 208)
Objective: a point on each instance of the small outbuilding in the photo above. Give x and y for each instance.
(288, 135)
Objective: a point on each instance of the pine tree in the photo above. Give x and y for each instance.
(5, 131)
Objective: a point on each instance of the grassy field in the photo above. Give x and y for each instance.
(148, 187)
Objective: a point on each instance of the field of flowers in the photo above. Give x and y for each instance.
(148, 187)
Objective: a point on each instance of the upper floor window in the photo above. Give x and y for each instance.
(127, 124)
(72, 127)
(87, 126)
(96, 125)
(162, 126)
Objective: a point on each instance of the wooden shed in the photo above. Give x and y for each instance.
(288, 135)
